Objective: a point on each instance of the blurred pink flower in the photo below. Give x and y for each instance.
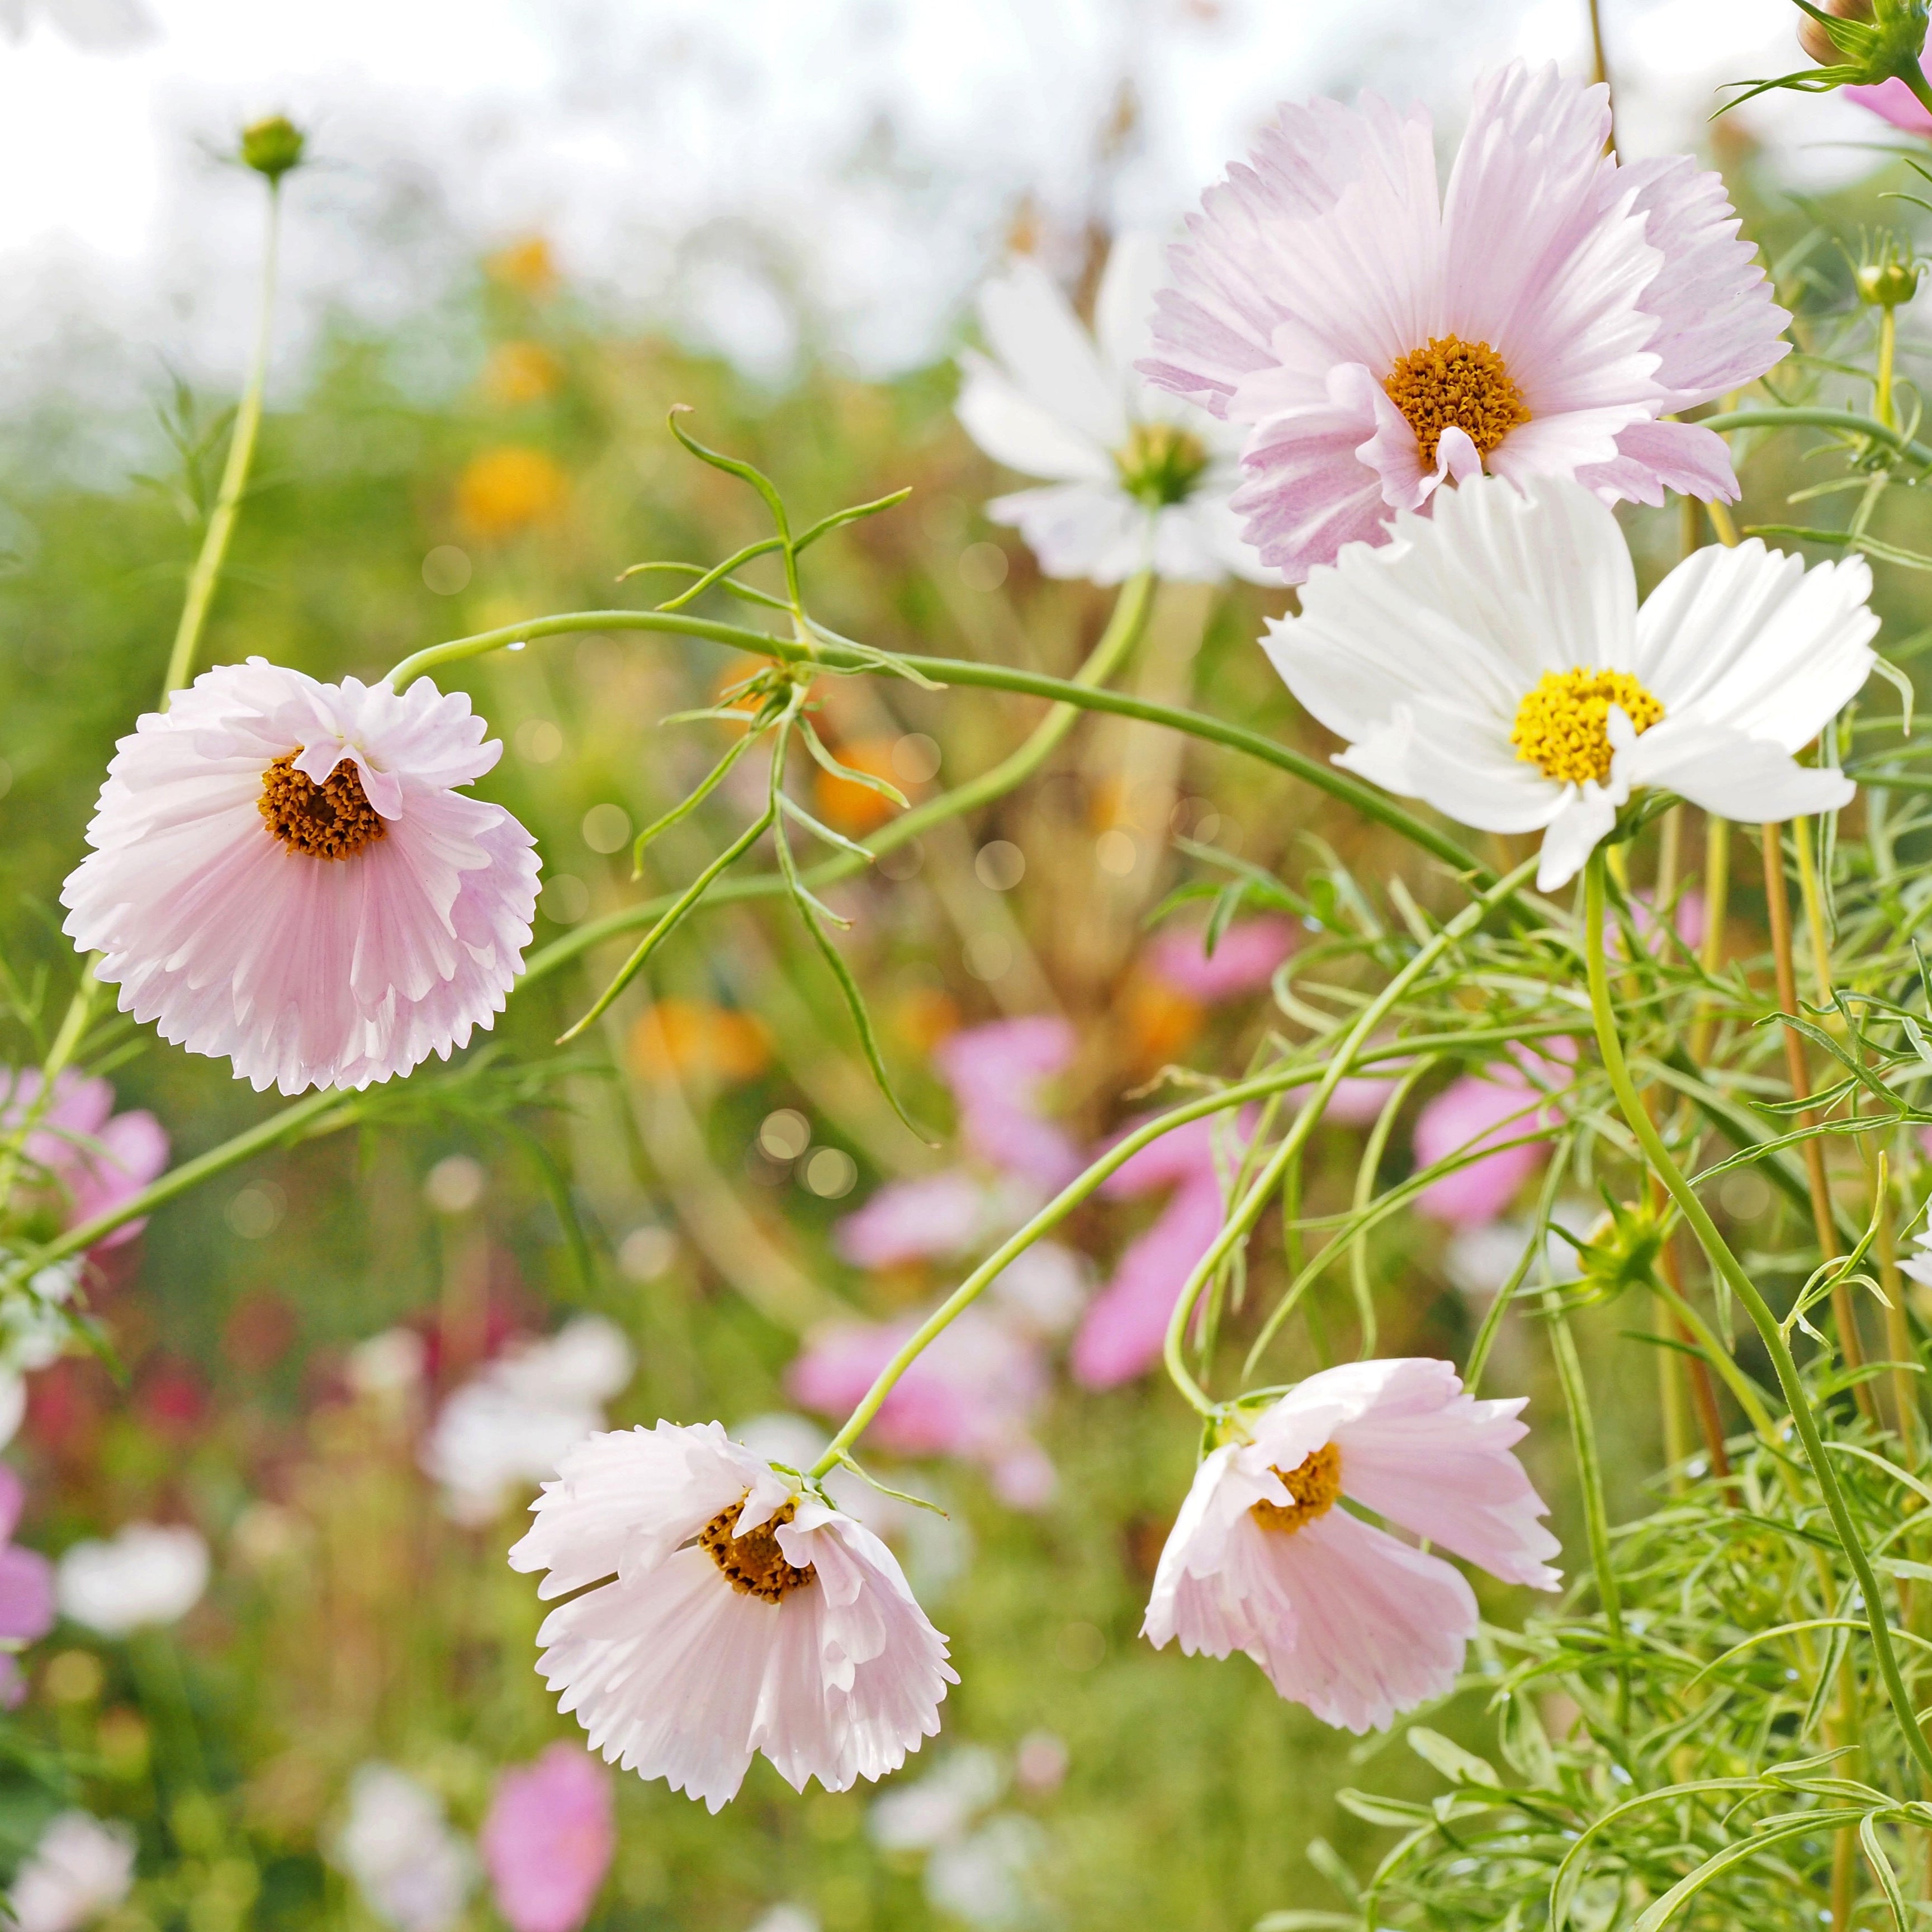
(1892, 101)
(548, 1840)
(1688, 917)
(971, 1394)
(994, 1071)
(26, 1588)
(1126, 1322)
(1246, 958)
(1479, 1110)
(931, 1215)
(90, 1158)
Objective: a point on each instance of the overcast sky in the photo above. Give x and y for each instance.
(726, 168)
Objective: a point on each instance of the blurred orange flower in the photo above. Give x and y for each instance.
(1160, 1022)
(925, 1016)
(691, 1038)
(520, 372)
(527, 266)
(856, 809)
(504, 489)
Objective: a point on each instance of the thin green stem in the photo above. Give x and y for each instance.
(207, 572)
(1848, 421)
(1803, 1420)
(1887, 345)
(1249, 1210)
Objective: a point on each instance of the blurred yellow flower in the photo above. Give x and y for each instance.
(507, 489)
(687, 1039)
(1160, 1021)
(520, 372)
(527, 266)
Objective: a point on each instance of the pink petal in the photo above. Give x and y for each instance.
(994, 1071)
(26, 1595)
(548, 1840)
(1892, 101)
(1246, 958)
(1121, 1334)
(933, 1215)
(1474, 1111)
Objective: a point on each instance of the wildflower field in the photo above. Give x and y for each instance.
(1134, 1132)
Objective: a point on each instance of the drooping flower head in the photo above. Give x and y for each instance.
(285, 875)
(1492, 660)
(1378, 338)
(745, 1615)
(1343, 1616)
(83, 1158)
(1138, 477)
(548, 1840)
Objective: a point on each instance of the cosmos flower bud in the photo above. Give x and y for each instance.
(1863, 43)
(272, 147)
(1890, 279)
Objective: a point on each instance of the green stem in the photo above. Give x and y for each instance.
(207, 572)
(1249, 1210)
(1848, 421)
(191, 1174)
(1590, 1478)
(1638, 1118)
(1888, 343)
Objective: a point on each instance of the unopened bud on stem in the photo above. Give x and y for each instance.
(272, 147)
(1815, 38)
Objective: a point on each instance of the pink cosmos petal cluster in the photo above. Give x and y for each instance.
(1244, 960)
(1615, 295)
(89, 1158)
(1479, 1110)
(674, 1673)
(1125, 1324)
(548, 1839)
(26, 1588)
(304, 970)
(929, 1216)
(995, 1072)
(1345, 1617)
(971, 1394)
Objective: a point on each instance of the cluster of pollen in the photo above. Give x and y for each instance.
(334, 820)
(1159, 462)
(1452, 381)
(754, 1563)
(1562, 727)
(1315, 1482)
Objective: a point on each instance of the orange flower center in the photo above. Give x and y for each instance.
(1452, 381)
(1315, 1482)
(754, 1563)
(334, 820)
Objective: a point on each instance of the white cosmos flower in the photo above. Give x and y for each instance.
(1053, 401)
(745, 1615)
(1342, 1616)
(286, 875)
(79, 1869)
(413, 1869)
(1491, 660)
(511, 1424)
(147, 1575)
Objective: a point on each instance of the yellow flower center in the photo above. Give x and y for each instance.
(334, 820)
(754, 1563)
(1563, 726)
(1452, 381)
(1159, 462)
(1315, 1482)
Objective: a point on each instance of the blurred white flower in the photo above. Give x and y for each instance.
(1479, 1258)
(982, 1878)
(507, 1428)
(147, 1575)
(413, 1870)
(1138, 475)
(937, 1808)
(387, 1364)
(79, 1869)
(95, 26)
(1919, 1265)
(786, 1919)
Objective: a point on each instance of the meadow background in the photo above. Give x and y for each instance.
(496, 292)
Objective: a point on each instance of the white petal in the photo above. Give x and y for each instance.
(1749, 779)
(1079, 530)
(1123, 309)
(1032, 329)
(1587, 815)
(1013, 429)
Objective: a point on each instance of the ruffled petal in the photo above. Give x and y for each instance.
(1653, 456)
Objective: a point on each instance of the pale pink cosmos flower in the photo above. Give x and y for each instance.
(1243, 960)
(995, 1072)
(548, 1839)
(971, 1394)
(1380, 338)
(1490, 1108)
(916, 1219)
(1126, 1324)
(745, 1615)
(88, 1158)
(1344, 1617)
(284, 874)
(26, 1589)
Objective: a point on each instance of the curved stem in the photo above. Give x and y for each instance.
(1340, 1064)
(1849, 420)
(1638, 1118)
(207, 572)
